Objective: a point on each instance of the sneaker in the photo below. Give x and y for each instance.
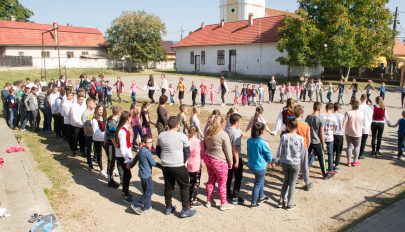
(291, 207)
(263, 199)
(362, 157)
(170, 210)
(104, 174)
(281, 204)
(196, 204)
(23, 129)
(308, 187)
(336, 168)
(241, 200)
(223, 104)
(113, 184)
(328, 176)
(255, 205)
(226, 206)
(210, 204)
(128, 199)
(349, 164)
(356, 163)
(136, 209)
(187, 213)
(147, 210)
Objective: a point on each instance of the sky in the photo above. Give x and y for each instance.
(186, 14)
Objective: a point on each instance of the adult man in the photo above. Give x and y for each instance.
(235, 135)
(317, 138)
(75, 115)
(272, 85)
(368, 118)
(173, 149)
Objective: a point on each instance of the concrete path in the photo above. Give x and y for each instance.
(20, 189)
(390, 219)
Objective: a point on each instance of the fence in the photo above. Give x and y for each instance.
(15, 61)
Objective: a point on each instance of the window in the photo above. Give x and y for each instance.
(220, 57)
(69, 55)
(232, 10)
(85, 53)
(191, 57)
(202, 57)
(21, 53)
(45, 54)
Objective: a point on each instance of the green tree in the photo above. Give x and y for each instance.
(12, 8)
(136, 36)
(337, 33)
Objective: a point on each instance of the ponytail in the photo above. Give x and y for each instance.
(123, 120)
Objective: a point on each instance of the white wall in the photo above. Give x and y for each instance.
(52, 61)
(252, 59)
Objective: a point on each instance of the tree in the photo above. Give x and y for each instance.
(136, 36)
(337, 34)
(12, 8)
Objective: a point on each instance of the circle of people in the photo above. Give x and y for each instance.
(80, 116)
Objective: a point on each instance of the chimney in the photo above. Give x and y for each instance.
(12, 18)
(202, 25)
(250, 19)
(222, 22)
(54, 25)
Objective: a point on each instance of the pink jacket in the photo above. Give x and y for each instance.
(196, 151)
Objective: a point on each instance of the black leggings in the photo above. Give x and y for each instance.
(368, 99)
(402, 99)
(223, 96)
(377, 130)
(126, 178)
(303, 95)
(150, 95)
(194, 184)
(97, 148)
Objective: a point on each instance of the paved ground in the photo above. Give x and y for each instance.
(390, 219)
(21, 190)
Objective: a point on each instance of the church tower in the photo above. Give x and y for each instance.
(236, 10)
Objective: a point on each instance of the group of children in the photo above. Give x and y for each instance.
(88, 129)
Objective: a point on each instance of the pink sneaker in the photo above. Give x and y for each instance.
(356, 163)
(349, 164)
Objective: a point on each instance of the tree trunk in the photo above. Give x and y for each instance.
(341, 72)
(360, 72)
(347, 74)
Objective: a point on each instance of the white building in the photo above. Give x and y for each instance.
(170, 62)
(244, 42)
(33, 45)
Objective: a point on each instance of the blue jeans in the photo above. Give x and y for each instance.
(146, 199)
(133, 97)
(25, 119)
(172, 99)
(258, 192)
(137, 131)
(329, 96)
(12, 112)
(401, 145)
(329, 150)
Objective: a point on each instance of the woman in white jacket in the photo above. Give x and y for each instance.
(98, 124)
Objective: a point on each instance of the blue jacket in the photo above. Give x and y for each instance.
(259, 153)
(146, 162)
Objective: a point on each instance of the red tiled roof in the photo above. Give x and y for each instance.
(274, 12)
(29, 34)
(399, 48)
(167, 45)
(263, 30)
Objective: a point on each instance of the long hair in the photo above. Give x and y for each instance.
(290, 104)
(215, 127)
(121, 123)
(151, 81)
(379, 100)
(259, 111)
(96, 116)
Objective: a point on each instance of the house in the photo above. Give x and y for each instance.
(170, 62)
(34, 45)
(244, 42)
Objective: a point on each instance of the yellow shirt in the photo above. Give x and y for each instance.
(181, 87)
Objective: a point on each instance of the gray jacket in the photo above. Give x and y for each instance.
(31, 102)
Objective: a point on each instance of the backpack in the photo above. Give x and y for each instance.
(287, 115)
(99, 89)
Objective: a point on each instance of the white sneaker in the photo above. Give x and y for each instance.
(104, 174)
(226, 206)
(223, 104)
(115, 172)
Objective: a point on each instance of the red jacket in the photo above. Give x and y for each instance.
(119, 86)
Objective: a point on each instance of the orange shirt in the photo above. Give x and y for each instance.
(304, 130)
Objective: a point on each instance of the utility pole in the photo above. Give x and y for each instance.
(394, 33)
(181, 33)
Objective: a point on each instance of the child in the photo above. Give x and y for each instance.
(311, 89)
(254, 94)
(194, 165)
(11, 104)
(146, 129)
(203, 91)
(195, 121)
(98, 124)
(136, 124)
(319, 90)
(181, 87)
(259, 155)
(341, 90)
(304, 85)
(329, 92)
(288, 90)
(133, 89)
(244, 96)
(290, 152)
(261, 94)
(123, 153)
(236, 172)
(369, 87)
(355, 89)
(146, 162)
(382, 90)
(194, 91)
(172, 92)
(401, 135)
(338, 135)
(108, 94)
(249, 94)
(236, 97)
(330, 124)
(282, 91)
(182, 117)
(212, 92)
(119, 85)
(297, 91)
